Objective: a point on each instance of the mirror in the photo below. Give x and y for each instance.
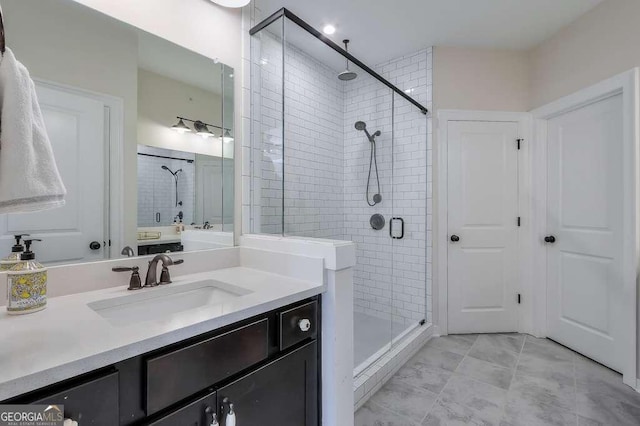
(142, 132)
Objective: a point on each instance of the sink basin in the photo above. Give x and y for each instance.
(163, 301)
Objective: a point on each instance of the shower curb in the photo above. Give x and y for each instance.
(373, 378)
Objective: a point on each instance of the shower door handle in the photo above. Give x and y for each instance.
(401, 220)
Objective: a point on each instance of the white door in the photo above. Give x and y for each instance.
(584, 264)
(483, 226)
(209, 181)
(76, 128)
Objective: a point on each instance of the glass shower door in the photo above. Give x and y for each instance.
(411, 190)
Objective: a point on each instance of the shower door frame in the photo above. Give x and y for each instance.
(284, 12)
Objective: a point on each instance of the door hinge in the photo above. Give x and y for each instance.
(518, 220)
(519, 142)
(519, 299)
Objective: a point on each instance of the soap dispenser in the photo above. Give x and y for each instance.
(26, 284)
(10, 261)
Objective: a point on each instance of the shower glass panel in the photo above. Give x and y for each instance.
(317, 174)
(267, 129)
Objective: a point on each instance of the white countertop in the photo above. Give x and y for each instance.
(68, 338)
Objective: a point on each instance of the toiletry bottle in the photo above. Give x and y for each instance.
(10, 261)
(177, 225)
(26, 284)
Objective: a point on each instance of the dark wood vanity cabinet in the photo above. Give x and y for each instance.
(283, 392)
(266, 366)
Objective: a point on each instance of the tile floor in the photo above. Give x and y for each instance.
(503, 380)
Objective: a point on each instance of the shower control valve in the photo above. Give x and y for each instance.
(304, 325)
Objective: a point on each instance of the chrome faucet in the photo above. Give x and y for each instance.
(165, 278)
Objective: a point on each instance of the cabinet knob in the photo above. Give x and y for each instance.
(550, 239)
(455, 238)
(304, 324)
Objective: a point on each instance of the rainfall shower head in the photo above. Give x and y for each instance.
(347, 74)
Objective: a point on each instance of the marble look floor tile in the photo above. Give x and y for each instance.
(404, 399)
(583, 421)
(484, 350)
(433, 357)
(596, 407)
(601, 382)
(452, 414)
(485, 372)
(425, 377)
(559, 371)
(510, 342)
(485, 401)
(543, 392)
(371, 414)
(522, 412)
(458, 343)
(547, 350)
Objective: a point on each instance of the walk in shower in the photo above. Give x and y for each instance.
(346, 159)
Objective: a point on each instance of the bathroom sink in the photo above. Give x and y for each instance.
(163, 301)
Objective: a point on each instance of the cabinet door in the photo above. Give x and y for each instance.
(197, 413)
(283, 393)
(94, 402)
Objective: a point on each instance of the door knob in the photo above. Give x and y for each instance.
(550, 239)
(94, 245)
(455, 238)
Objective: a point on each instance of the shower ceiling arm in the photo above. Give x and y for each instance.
(317, 34)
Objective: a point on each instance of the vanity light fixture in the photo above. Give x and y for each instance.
(329, 29)
(181, 127)
(231, 3)
(202, 129)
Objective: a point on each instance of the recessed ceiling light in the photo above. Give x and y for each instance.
(329, 29)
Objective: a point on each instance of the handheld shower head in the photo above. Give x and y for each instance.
(165, 168)
(360, 125)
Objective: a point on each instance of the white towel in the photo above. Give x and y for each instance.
(29, 177)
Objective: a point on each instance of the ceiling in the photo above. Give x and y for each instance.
(170, 60)
(384, 29)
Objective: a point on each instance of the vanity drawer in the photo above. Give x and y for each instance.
(298, 324)
(93, 402)
(178, 374)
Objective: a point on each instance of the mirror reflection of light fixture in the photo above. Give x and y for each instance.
(181, 127)
(202, 129)
(227, 138)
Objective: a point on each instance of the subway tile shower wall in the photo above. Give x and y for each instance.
(157, 191)
(326, 164)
